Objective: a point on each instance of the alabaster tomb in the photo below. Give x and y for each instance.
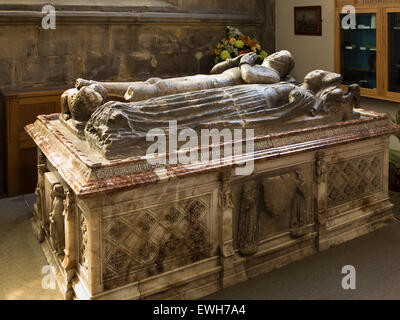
(118, 222)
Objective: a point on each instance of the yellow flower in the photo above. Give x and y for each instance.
(225, 55)
(232, 41)
(258, 46)
(239, 44)
(263, 54)
(219, 45)
(217, 52)
(254, 49)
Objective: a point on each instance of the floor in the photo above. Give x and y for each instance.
(376, 258)
(21, 257)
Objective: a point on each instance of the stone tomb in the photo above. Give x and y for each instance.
(122, 229)
(115, 224)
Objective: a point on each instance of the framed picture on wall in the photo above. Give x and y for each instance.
(307, 21)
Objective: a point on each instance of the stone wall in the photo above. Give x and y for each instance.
(166, 38)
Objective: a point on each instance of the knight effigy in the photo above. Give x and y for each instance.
(116, 226)
(237, 94)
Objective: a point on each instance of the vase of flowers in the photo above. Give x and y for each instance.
(235, 44)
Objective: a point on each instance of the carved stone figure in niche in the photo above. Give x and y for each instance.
(39, 219)
(320, 167)
(38, 190)
(69, 221)
(298, 218)
(39, 207)
(225, 194)
(79, 103)
(83, 252)
(57, 234)
(248, 220)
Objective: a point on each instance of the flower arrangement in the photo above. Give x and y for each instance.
(236, 44)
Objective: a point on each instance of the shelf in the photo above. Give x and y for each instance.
(358, 70)
(359, 49)
(358, 29)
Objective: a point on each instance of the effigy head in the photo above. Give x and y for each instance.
(318, 80)
(81, 103)
(281, 61)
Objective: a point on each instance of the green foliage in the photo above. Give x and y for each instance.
(394, 155)
(396, 120)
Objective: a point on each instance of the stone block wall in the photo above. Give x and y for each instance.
(171, 39)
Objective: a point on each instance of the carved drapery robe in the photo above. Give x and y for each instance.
(57, 232)
(119, 129)
(248, 220)
(298, 221)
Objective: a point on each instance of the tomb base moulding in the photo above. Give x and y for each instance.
(122, 229)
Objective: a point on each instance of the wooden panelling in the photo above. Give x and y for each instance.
(21, 107)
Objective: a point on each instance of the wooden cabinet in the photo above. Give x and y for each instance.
(21, 107)
(369, 52)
